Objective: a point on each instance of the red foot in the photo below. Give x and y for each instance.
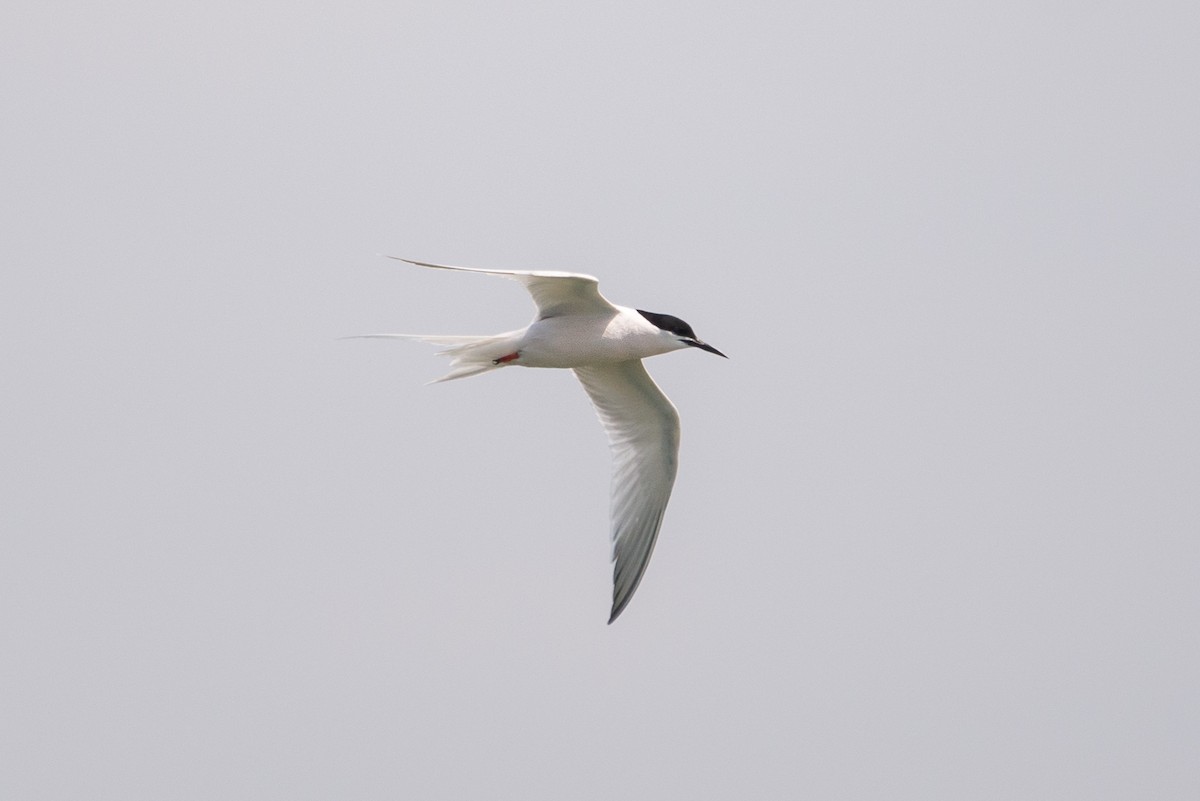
(506, 359)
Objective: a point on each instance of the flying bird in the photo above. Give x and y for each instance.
(576, 328)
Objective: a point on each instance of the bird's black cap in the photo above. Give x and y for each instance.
(669, 323)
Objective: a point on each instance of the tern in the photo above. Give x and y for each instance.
(576, 328)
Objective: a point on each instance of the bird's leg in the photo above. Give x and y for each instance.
(506, 359)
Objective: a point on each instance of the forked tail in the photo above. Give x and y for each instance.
(468, 355)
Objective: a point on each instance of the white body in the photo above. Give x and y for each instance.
(576, 340)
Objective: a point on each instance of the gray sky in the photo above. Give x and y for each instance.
(936, 533)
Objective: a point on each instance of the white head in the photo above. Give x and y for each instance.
(678, 331)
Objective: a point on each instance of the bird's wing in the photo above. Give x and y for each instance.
(555, 293)
(643, 430)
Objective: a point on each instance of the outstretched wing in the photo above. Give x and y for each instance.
(643, 431)
(555, 293)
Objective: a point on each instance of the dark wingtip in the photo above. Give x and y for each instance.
(618, 608)
(400, 258)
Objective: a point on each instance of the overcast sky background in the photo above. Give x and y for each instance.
(936, 533)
